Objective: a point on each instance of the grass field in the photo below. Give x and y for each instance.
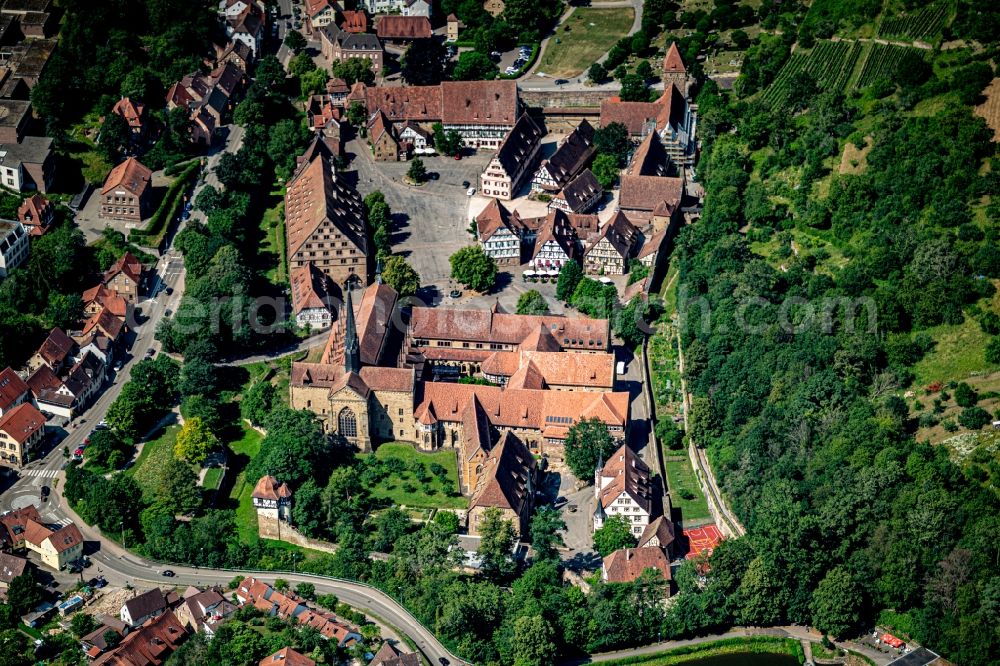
(725, 651)
(212, 478)
(959, 351)
(584, 37)
(155, 454)
(682, 481)
(241, 452)
(272, 246)
(393, 489)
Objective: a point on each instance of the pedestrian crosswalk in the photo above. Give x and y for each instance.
(63, 522)
(41, 473)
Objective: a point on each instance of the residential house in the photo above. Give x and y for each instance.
(385, 145)
(207, 98)
(417, 8)
(569, 159)
(13, 391)
(627, 564)
(649, 253)
(287, 605)
(502, 234)
(514, 160)
(494, 7)
(325, 220)
(15, 118)
(337, 45)
(452, 26)
(235, 52)
(507, 483)
(415, 139)
(555, 243)
(56, 548)
(389, 655)
(658, 534)
(124, 278)
(126, 194)
(100, 297)
(320, 13)
(134, 113)
(85, 378)
(103, 323)
(11, 566)
(14, 246)
(653, 200)
(247, 27)
(230, 9)
(55, 352)
(37, 214)
(355, 21)
(95, 643)
(14, 525)
(324, 119)
(21, 431)
(402, 29)
(622, 487)
(150, 645)
(608, 251)
(50, 393)
(336, 91)
(579, 196)
(287, 656)
(28, 165)
(139, 609)
(202, 611)
(312, 297)
(670, 116)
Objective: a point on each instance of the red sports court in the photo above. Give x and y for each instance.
(701, 539)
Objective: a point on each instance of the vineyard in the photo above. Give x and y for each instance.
(924, 24)
(837, 66)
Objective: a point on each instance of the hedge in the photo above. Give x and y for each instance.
(152, 235)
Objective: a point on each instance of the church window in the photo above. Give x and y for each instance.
(347, 423)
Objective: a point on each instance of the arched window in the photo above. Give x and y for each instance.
(347, 423)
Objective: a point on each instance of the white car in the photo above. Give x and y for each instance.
(470, 191)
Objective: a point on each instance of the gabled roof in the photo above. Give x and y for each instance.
(378, 125)
(558, 230)
(639, 117)
(12, 388)
(505, 328)
(672, 62)
(645, 193)
(35, 211)
(134, 112)
(354, 21)
(42, 381)
(66, 537)
(627, 564)
(11, 566)
(628, 473)
(650, 158)
(147, 603)
(652, 246)
(16, 521)
(127, 264)
(495, 217)
(418, 103)
(661, 528)
(22, 422)
(268, 488)
(316, 196)
(130, 175)
(506, 478)
(353, 382)
(311, 288)
(479, 102)
(403, 27)
(106, 323)
(287, 656)
(572, 154)
(57, 348)
(580, 191)
(150, 645)
(519, 144)
(619, 232)
(528, 376)
(388, 655)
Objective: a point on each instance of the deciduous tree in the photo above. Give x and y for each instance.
(194, 441)
(614, 534)
(474, 268)
(587, 443)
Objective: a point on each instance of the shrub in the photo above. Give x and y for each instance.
(974, 418)
(965, 396)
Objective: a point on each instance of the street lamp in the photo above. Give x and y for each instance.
(123, 533)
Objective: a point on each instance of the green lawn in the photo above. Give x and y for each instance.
(584, 37)
(278, 371)
(155, 454)
(212, 478)
(272, 244)
(959, 351)
(681, 480)
(241, 452)
(413, 495)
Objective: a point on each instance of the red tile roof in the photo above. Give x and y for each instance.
(572, 154)
(130, 175)
(311, 288)
(628, 473)
(418, 103)
(672, 62)
(268, 488)
(57, 348)
(12, 389)
(150, 645)
(627, 564)
(402, 27)
(504, 482)
(127, 264)
(504, 328)
(287, 656)
(66, 537)
(22, 422)
(35, 212)
(479, 103)
(645, 193)
(132, 111)
(662, 529)
(354, 21)
(105, 322)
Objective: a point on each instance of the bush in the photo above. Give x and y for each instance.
(950, 426)
(974, 418)
(965, 396)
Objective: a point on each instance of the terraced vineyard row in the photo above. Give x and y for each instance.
(835, 65)
(923, 24)
(830, 64)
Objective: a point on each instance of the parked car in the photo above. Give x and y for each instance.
(433, 175)
(560, 82)
(465, 183)
(150, 352)
(79, 452)
(455, 293)
(560, 501)
(469, 192)
(168, 573)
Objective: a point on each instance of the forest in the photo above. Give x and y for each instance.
(850, 518)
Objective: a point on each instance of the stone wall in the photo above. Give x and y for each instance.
(564, 99)
(271, 528)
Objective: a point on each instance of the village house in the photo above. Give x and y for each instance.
(579, 196)
(28, 165)
(400, 29)
(124, 277)
(287, 656)
(127, 192)
(324, 118)
(651, 200)
(99, 297)
(312, 297)
(14, 246)
(51, 394)
(670, 116)
(14, 523)
(236, 53)
(319, 13)
(56, 548)
(608, 251)
(13, 391)
(571, 156)
(134, 113)
(502, 234)
(144, 607)
(389, 655)
(414, 139)
(627, 564)
(325, 220)
(150, 645)
(513, 160)
(96, 643)
(622, 487)
(11, 566)
(555, 244)
(85, 379)
(417, 8)
(287, 605)
(355, 21)
(248, 27)
(658, 534)
(506, 483)
(385, 145)
(336, 91)
(55, 352)
(650, 252)
(208, 99)
(21, 431)
(337, 45)
(37, 214)
(202, 611)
